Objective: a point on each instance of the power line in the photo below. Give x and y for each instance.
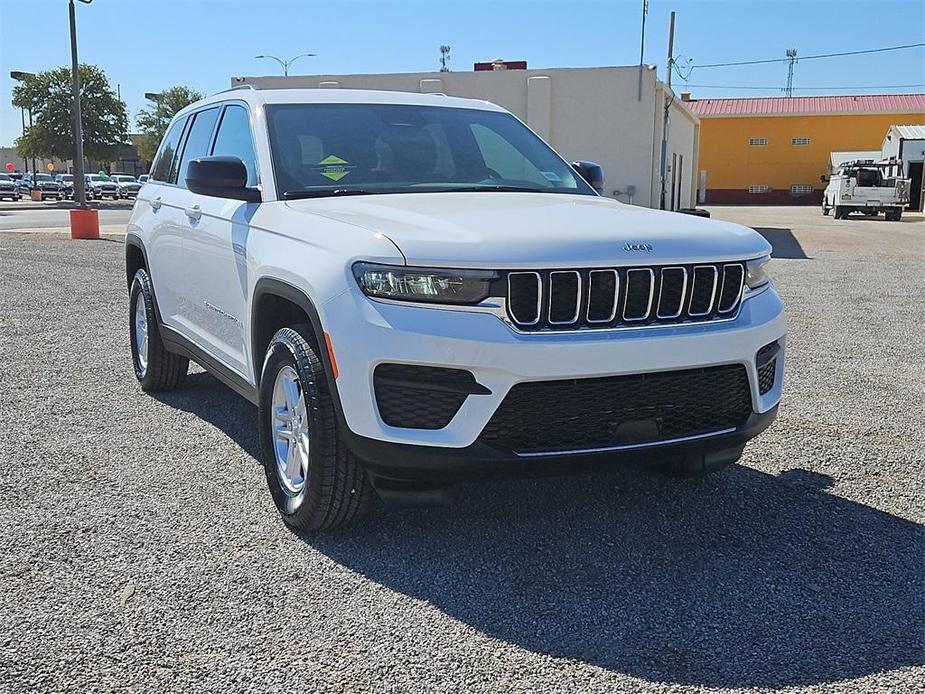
(778, 88)
(813, 57)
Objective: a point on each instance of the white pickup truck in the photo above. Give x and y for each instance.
(859, 186)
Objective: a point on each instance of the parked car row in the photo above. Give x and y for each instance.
(61, 186)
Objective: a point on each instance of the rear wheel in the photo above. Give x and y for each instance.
(315, 481)
(894, 214)
(841, 212)
(155, 368)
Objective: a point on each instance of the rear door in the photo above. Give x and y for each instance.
(183, 209)
(163, 236)
(216, 249)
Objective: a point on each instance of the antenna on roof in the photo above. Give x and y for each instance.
(444, 58)
(792, 55)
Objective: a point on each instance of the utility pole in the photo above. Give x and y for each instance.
(80, 194)
(663, 164)
(642, 44)
(792, 55)
(444, 58)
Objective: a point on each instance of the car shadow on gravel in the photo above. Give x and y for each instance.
(742, 579)
(783, 243)
(209, 399)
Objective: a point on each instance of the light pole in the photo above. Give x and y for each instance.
(153, 96)
(286, 63)
(80, 193)
(21, 76)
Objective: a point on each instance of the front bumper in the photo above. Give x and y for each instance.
(366, 333)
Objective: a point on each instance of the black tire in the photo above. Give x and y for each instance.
(894, 215)
(164, 370)
(825, 208)
(336, 490)
(841, 212)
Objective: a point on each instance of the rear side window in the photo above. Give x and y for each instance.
(234, 140)
(164, 168)
(198, 140)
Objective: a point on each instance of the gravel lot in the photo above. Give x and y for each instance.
(141, 551)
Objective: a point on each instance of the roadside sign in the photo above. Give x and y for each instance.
(9, 166)
(50, 167)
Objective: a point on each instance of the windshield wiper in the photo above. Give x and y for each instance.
(325, 193)
(491, 188)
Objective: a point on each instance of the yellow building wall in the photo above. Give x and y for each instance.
(732, 165)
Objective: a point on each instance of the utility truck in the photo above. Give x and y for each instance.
(860, 186)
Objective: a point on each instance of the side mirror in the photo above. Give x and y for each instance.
(592, 173)
(220, 177)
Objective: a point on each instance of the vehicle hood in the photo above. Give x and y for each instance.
(535, 230)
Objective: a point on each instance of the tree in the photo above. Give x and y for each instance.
(153, 121)
(49, 96)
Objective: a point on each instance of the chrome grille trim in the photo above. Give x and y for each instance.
(552, 281)
(722, 289)
(539, 298)
(651, 293)
(694, 287)
(658, 304)
(616, 296)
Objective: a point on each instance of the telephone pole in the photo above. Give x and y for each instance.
(792, 54)
(642, 44)
(663, 164)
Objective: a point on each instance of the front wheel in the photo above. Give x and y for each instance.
(155, 368)
(315, 481)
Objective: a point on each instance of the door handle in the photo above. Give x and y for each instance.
(156, 203)
(194, 212)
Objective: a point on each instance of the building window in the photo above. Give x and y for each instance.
(758, 141)
(801, 189)
(800, 141)
(759, 189)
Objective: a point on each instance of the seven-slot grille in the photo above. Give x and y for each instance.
(624, 297)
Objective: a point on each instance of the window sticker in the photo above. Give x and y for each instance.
(333, 167)
(551, 176)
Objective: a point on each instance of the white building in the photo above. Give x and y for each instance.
(584, 113)
(906, 144)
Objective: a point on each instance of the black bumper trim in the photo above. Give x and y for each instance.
(398, 461)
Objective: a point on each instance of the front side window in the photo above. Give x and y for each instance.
(198, 140)
(164, 168)
(234, 140)
(329, 149)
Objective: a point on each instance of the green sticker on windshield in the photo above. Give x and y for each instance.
(333, 167)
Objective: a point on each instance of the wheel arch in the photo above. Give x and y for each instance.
(277, 304)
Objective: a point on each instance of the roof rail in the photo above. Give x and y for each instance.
(236, 87)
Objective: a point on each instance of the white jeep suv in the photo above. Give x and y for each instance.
(415, 289)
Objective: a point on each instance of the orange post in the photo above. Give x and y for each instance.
(85, 224)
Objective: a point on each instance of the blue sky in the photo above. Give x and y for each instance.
(148, 45)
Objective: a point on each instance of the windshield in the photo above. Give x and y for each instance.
(97, 177)
(331, 149)
(4, 177)
(67, 177)
(42, 177)
(125, 179)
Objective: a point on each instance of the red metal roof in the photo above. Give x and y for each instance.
(782, 105)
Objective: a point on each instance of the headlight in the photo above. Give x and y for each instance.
(756, 272)
(431, 285)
